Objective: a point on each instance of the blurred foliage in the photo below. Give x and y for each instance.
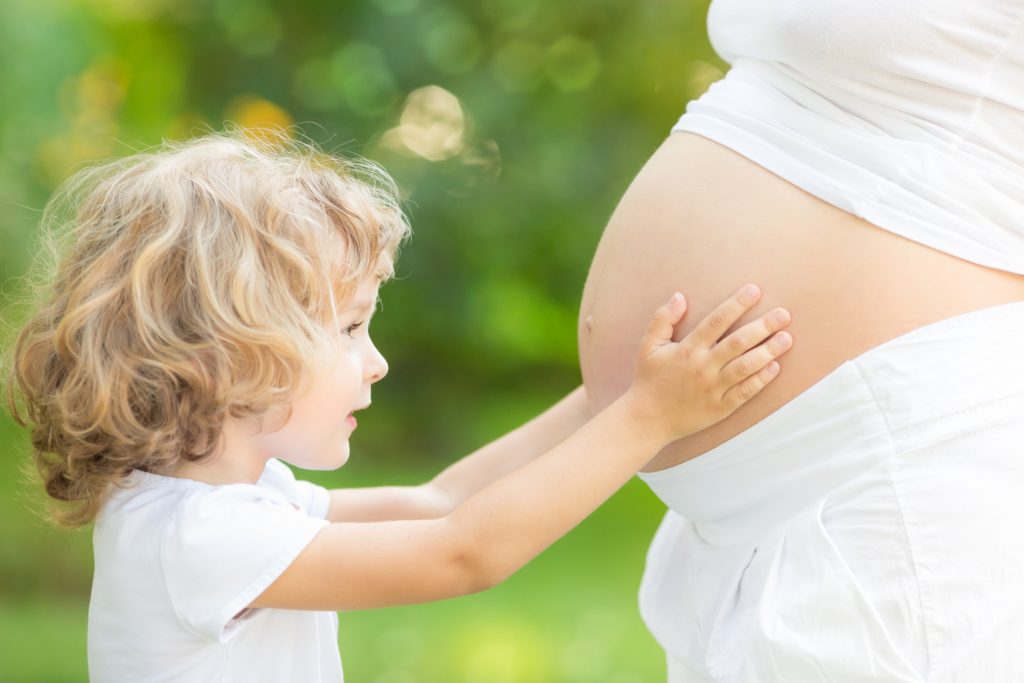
(512, 127)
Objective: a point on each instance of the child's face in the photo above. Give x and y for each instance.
(316, 436)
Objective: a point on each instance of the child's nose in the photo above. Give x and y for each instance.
(376, 366)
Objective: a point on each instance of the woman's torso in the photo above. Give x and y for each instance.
(702, 219)
(908, 114)
(861, 163)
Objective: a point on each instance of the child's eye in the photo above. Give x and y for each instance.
(351, 329)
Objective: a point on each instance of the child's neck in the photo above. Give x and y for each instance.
(217, 472)
(235, 462)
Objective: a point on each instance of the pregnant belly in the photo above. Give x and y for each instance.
(701, 219)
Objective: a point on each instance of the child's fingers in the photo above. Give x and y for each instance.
(749, 336)
(662, 325)
(756, 359)
(750, 387)
(711, 328)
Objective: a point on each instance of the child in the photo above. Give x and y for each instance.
(208, 319)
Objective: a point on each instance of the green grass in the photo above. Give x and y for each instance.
(42, 639)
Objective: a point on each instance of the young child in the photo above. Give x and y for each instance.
(208, 318)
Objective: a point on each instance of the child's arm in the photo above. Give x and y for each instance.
(679, 388)
(446, 491)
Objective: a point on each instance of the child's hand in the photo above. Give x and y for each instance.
(683, 387)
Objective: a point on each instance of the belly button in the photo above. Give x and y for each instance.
(589, 322)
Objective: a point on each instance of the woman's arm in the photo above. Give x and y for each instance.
(450, 488)
(679, 388)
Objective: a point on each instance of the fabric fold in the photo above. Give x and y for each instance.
(816, 543)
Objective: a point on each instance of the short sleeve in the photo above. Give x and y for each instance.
(226, 545)
(313, 499)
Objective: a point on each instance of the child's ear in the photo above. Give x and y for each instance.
(274, 419)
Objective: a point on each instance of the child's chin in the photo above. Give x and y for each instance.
(331, 462)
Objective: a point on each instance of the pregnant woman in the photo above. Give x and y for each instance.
(861, 519)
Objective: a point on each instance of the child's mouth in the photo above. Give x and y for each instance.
(351, 417)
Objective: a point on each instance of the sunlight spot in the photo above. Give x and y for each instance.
(255, 113)
(432, 125)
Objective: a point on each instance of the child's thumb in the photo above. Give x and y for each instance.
(662, 325)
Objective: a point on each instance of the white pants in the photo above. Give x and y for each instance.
(871, 529)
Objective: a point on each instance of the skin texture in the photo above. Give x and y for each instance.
(508, 512)
(316, 435)
(702, 219)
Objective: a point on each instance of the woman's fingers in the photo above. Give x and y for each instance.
(711, 328)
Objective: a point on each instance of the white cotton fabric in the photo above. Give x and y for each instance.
(868, 530)
(177, 561)
(907, 113)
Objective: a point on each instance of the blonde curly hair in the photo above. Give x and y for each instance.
(181, 285)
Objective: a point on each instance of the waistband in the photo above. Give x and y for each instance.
(930, 384)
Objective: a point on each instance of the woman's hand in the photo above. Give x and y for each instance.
(683, 387)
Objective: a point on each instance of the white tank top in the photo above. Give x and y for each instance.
(907, 113)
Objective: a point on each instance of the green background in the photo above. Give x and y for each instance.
(513, 127)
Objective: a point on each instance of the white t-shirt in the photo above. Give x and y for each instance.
(907, 113)
(178, 560)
